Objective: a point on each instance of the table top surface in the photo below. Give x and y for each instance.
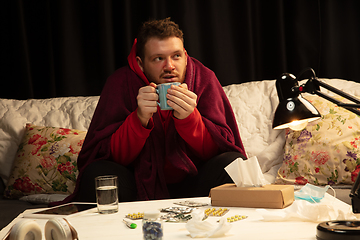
(93, 225)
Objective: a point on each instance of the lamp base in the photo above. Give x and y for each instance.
(355, 202)
(334, 230)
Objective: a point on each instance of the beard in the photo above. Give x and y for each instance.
(160, 79)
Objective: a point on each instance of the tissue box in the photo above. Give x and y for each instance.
(268, 196)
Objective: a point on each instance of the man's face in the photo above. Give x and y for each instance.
(164, 60)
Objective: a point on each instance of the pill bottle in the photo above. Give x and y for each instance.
(152, 226)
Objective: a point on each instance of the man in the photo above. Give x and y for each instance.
(157, 153)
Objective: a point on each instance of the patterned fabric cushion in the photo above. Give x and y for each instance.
(327, 151)
(46, 162)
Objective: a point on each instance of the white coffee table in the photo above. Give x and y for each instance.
(99, 226)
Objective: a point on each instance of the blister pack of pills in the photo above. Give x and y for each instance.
(176, 218)
(178, 210)
(135, 216)
(216, 212)
(192, 204)
(235, 218)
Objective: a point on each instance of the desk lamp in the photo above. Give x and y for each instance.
(295, 112)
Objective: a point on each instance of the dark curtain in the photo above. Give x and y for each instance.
(56, 48)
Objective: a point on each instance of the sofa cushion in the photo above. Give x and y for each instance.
(46, 161)
(43, 198)
(66, 112)
(253, 104)
(326, 151)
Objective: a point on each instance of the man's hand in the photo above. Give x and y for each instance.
(181, 100)
(147, 103)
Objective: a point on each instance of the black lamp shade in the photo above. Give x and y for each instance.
(293, 111)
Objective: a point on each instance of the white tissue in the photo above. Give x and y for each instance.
(306, 211)
(246, 173)
(204, 229)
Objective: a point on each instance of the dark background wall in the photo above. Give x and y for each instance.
(55, 48)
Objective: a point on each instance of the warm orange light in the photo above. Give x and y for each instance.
(297, 125)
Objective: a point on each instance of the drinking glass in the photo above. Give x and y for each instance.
(107, 194)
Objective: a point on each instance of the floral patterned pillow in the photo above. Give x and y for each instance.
(46, 162)
(327, 151)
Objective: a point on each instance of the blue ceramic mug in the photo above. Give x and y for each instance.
(161, 89)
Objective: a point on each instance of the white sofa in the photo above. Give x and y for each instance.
(254, 104)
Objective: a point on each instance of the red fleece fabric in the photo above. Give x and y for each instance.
(129, 139)
(118, 101)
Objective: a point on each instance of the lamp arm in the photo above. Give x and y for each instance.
(312, 86)
(350, 107)
(339, 92)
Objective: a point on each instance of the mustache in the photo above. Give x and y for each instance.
(173, 73)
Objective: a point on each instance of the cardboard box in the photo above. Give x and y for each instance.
(268, 196)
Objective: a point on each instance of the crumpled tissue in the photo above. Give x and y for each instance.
(200, 228)
(325, 210)
(246, 173)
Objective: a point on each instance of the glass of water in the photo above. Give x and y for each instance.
(107, 194)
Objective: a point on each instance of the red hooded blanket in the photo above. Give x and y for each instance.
(118, 100)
